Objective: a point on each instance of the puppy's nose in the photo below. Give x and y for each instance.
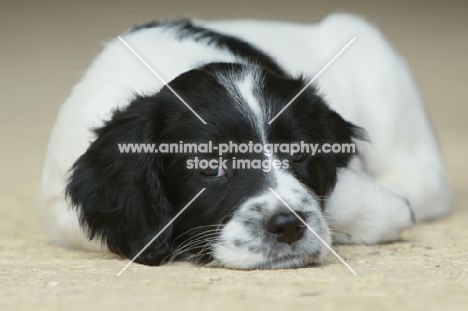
(286, 226)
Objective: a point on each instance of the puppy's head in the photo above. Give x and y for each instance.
(126, 199)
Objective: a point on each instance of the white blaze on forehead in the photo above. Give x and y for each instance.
(246, 89)
(250, 104)
(242, 88)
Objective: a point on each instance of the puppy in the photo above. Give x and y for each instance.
(237, 76)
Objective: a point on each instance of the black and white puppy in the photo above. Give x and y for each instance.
(237, 75)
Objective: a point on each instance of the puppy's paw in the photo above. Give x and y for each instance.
(374, 223)
(389, 223)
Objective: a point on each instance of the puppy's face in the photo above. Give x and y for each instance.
(237, 222)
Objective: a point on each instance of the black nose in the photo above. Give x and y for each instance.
(286, 226)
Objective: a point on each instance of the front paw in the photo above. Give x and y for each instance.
(394, 216)
(373, 222)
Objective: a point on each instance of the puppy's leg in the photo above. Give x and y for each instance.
(423, 183)
(401, 158)
(361, 211)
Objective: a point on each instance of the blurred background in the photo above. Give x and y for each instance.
(47, 45)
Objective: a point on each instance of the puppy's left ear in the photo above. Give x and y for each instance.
(344, 132)
(119, 196)
(336, 130)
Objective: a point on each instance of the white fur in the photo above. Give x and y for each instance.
(227, 254)
(369, 85)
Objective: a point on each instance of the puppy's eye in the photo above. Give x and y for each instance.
(299, 157)
(213, 172)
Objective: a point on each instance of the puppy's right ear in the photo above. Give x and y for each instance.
(119, 196)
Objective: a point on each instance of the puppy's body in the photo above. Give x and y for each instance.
(368, 86)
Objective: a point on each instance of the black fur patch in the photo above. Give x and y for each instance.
(238, 47)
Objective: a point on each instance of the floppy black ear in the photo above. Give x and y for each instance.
(335, 130)
(118, 196)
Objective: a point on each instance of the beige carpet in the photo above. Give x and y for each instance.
(44, 48)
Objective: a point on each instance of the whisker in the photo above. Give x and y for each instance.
(181, 248)
(205, 237)
(196, 228)
(193, 247)
(208, 235)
